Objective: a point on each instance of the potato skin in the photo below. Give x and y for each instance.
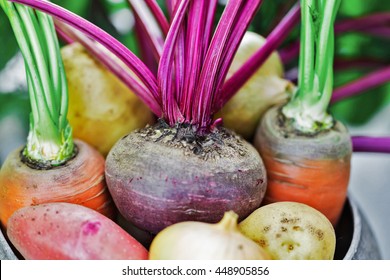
(101, 108)
(65, 231)
(264, 89)
(291, 231)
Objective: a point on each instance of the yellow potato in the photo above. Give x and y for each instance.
(264, 89)
(291, 231)
(102, 109)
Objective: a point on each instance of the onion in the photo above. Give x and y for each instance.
(198, 240)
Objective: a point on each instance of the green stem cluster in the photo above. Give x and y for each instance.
(308, 105)
(50, 139)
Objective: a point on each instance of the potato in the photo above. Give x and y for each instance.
(102, 109)
(65, 231)
(264, 89)
(291, 231)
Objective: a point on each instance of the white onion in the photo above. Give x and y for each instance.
(203, 241)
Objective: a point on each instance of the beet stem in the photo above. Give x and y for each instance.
(275, 38)
(361, 85)
(371, 144)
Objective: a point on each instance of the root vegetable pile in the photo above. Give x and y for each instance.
(271, 184)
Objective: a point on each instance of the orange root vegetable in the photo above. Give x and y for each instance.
(80, 181)
(313, 170)
(306, 151)
(65, 231)
(102, 109)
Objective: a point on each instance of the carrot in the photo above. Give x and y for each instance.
(80, 181)
(311, 170)
(52, 166)
(305, 150)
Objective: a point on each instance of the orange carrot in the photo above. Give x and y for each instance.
(309, 169)
(305, 150)
(79, 181)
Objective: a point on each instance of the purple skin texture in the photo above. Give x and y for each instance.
(156, 183)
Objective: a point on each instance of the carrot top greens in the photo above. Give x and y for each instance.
(50, 141)
(308, 105)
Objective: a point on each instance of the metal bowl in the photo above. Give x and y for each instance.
(6, 253)
(360, 243)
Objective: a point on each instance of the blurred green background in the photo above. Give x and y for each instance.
(115, 17)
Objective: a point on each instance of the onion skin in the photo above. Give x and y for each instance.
(313, 170)
(166, 179)
(266, 88)
(202, 241)
(80, 181)
(291, 231)
(65, 231)
(102, 109)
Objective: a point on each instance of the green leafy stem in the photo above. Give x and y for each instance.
(50, 137)
(309, 104)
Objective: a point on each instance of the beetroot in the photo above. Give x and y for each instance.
(175, 175)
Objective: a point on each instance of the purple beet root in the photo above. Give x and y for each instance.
(159, 175)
